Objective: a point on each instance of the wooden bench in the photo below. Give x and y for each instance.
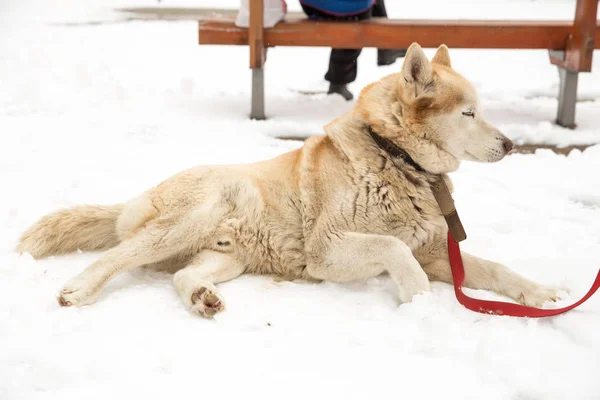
(570, 43)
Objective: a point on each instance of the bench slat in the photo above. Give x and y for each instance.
(386, 33)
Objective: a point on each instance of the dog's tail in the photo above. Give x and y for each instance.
(82, 227)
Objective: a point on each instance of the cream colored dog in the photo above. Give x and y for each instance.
(341, 208)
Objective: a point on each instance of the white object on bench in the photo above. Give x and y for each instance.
(274, 11)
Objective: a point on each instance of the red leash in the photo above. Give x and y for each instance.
(500, 307)
(443, 197)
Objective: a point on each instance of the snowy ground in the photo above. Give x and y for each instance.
(98, 113)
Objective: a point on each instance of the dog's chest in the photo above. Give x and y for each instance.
(391, 203)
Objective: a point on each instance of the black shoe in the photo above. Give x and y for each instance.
(340, 89)
(388, 57)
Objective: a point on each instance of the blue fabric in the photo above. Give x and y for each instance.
(340, 7)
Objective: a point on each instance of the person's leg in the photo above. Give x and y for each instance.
(342, 62)
(379, 9)
(385, 56)
(342, 71)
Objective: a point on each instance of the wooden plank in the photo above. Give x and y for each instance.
(583, 39)
(580, 48)
(256, 34)
(386, 33)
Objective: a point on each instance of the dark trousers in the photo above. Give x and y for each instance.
(342, 62)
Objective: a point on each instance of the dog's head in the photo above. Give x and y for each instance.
(441, 104)
(435, 103)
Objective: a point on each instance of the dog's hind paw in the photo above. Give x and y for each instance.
(77, 292)
(207, 302)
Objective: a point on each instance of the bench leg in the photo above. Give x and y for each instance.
(567, 98)
(257, 110)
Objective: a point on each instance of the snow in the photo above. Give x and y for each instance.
(97, 113)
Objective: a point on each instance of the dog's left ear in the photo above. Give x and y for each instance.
(416, 68)
(442, 56)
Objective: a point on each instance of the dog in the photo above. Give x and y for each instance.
(349, 205)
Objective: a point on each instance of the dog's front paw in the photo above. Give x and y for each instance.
(207, 302)
(417, 284)
(78, 292)
(539, 295)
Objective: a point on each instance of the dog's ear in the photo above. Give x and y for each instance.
(416, 72)
(416, 67)
(442, 56)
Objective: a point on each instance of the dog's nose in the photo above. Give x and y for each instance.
(508, 145)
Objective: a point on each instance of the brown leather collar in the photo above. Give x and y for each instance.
(394, 150)
(438, 186)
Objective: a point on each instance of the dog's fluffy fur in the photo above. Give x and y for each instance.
(340, 208)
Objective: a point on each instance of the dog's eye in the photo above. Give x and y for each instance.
(469, 114)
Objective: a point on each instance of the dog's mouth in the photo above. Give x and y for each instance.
(472, 157)
(492, 156)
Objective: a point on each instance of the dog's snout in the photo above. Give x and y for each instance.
(508, 145)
